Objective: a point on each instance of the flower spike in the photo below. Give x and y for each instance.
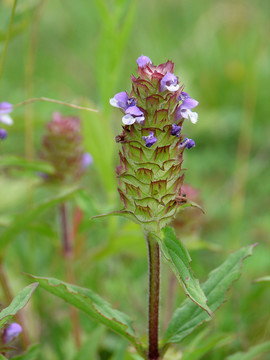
(150, 171)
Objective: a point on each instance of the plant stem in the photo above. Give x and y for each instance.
(67, 248)
(153, 305)
(8, 37)
(9, 297)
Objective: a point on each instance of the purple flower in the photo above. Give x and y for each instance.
(122, 100)
(187, 143)
(176, 130)
(5, 109)
(3, 134)
(150, 139)
(133, 113)
(11, 332)
(87, 160)
(184, 110)
(169, 82)
(143, 60)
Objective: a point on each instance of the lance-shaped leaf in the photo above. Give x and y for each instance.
(179, 260)
(93, 305)
(19, 301)
(252, 353)
(189, 316)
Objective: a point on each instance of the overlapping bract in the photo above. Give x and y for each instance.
(150, 174)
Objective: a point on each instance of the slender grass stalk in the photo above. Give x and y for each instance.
(29, 101)
(153, 301)
(3, 57)
(67, 249)
(9, 297)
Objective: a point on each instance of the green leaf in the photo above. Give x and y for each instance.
(252, 352)
(32, 353)
(22, 221)
(93, 305)
(2, 357)
(36, 166)
(99, 141)
(19, 301)
(189, 316)
(179, 260)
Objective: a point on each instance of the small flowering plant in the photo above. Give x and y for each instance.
(150, 187)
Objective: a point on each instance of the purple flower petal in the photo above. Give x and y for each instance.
(128, 119)
(3, 134)
(143, 60)
(187, 143)
(87, 160)
(5, 108)
(150, 139)
(169, 82)
(122, 101)
(134, 111)
(176, 130)
(11, 332)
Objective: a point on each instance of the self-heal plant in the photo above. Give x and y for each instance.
(150, 179)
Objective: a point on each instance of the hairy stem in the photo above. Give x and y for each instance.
(9, 297)
(67, 249)
(153, 309)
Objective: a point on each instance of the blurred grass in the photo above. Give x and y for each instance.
(87, 50)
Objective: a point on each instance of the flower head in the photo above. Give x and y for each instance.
(150, 139)
(11, 332)
(150, 173)
(122, 100)
(133, 114)
(187, 143)
(169, 82)
(143, 60)
(176, 130)
(3, 134)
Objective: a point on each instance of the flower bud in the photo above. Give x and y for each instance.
(11, 332)
(62, 147)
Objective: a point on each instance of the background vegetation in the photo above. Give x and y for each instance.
(84, 52)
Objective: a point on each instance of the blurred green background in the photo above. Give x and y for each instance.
(84, 52)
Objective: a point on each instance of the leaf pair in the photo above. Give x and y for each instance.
(185, 319)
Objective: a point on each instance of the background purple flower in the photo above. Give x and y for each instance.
(143, 61)
(5, 109)
(11, 332)
(3, 134)
(169, 82)
(87, 160)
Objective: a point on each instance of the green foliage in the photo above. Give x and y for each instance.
(22, 221)
(32, 353)
(179, 260)
(19, 301)
(93, 305)
(189, 315)
(254, 352)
